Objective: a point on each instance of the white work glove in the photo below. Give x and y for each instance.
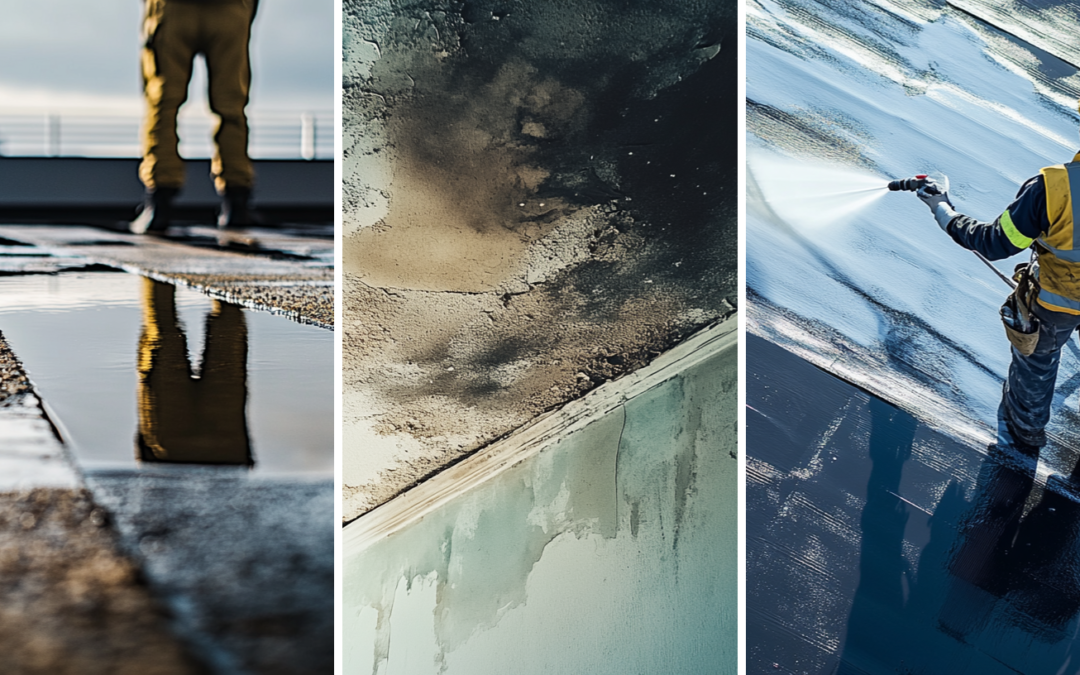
(938, 201)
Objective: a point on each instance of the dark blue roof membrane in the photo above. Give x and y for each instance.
(878, 545)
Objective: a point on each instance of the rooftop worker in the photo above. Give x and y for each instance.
(174, 32)
(1040, 218)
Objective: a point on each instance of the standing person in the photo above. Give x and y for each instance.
(1041, 217)
(174, 32)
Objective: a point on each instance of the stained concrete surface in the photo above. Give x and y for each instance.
(246, 566)
(877, 544)
(69, 601)
(193, 569)
(538, 198)
(601, 539)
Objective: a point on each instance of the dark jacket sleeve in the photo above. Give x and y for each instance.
(1012, 231)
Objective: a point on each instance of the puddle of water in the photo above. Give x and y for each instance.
(134, 370)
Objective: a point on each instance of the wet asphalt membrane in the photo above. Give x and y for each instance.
(878, 545)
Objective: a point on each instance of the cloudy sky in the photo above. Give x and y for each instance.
(74, 53)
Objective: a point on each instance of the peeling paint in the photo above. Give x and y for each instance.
(627, 503)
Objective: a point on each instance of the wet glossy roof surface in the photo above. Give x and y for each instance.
(878, 545)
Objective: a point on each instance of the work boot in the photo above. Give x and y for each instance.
(235, 211)
(1028, 442)
(155, 214)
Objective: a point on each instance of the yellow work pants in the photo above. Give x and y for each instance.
(174, 33)
(183, 418)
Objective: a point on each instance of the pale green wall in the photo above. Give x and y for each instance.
(612, 550)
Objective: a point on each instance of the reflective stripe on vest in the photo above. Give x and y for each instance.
(1068, 256)
(1056, 302)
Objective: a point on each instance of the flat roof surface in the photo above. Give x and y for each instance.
(876, 544)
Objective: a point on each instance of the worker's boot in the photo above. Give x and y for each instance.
(155, 214)
(235, 208)
(1027, 443)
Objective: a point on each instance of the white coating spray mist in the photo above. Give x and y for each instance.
(811, 196)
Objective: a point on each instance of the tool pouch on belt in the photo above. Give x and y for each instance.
(1021, 325)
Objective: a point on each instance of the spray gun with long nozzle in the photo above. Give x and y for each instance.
(910, 184)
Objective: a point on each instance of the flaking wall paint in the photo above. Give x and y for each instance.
(613, 550)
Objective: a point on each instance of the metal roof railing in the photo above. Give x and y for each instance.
(274, 135)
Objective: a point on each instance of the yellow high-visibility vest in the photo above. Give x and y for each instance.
(1059, 257)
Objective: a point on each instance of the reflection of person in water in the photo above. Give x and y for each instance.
(183, 417)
